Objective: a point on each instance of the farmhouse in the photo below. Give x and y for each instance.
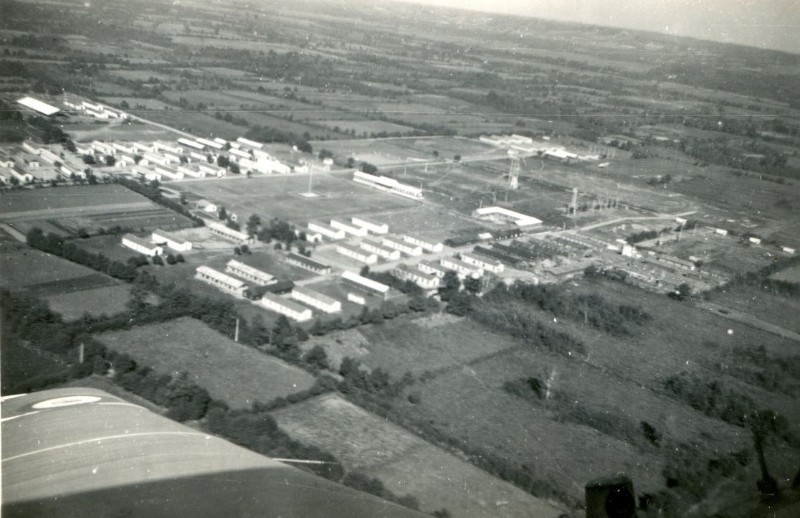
(375, 228)
(228, 233)
(326, 230)
(224, 282)
(307, 263)
(501, 215)
(284, 307)
(364, 284)
(418, 277)
(353, 230)
(38, 106)
(371, 245)
(432, 268)
(140, 245)
(401, 245)
(489, 265)
(358, 254)
(249, 273)
(383, 183)
(461, 268)
(426, 244)
(316, 300)
(171, 240)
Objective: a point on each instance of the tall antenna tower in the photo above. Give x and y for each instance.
(513, 173)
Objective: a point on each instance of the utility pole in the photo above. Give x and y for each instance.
(236, 332)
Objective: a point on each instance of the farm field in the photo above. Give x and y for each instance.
(788, 275)
(231, 372)
(107, 300)
(92, 207)
(279, 196)
(26, 268)
(435, 343)
(405, 463)
(775, 309)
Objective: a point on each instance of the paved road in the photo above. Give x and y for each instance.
(750, 320)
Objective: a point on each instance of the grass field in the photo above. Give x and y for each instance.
(279, 196)
(781, 311)
(26, 267)
(405, 463)
(231, 372)
(108, 300)
(788, 275)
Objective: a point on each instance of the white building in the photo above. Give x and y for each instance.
(501, 214)
(38, 106)
(402, 245)
(461, 268)
(489, 265)
(390, 185)
(432, 268)
(71, 172)
(171, 241)
(211, 143)
(284, 307)
(141, 246)
(426, 244)
(249, 273)
(20, 174)
(191, 144)
(206, 206)
(326, 230)
(365, 284)
(211, 170)
(250, 143)
(316, 300)
(375, 228)
(167, 148)
(418, 277)
(168, 172)
(228, 233)
(352, 230)
(307, 263)
(356, 299)
(384, 252)
(358, 254)
(224, 282)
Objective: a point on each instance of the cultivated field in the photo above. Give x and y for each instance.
(108, 300)
(405, 463)
(31, 269)
(231, 372)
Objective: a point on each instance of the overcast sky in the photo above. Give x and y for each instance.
(771, 24)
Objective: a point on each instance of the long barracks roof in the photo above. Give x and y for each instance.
(84, 452)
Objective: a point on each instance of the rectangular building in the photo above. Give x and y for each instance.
(364, 284)
(38, 106)
(223, 282)
(191, 144)
(489, 265)
(316, 300)
(426, 244)
(326, 230)
(249, 143)
(418, 277)
(307, 263)
(284, 307)
(386, 184)
(228, 233)
(168, 172)
(352, 230)
(249, 273)
(402, 245)
(141, 246)
(460, 267)
(171, 240)
(358, 254)
(377, 248)
(432, 268)
(371, 226)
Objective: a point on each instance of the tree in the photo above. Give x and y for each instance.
(171, 259)
(368, 168)
(157, 260)
(457, 158)
(234, 168)
(324, 153)
(237, 251)
(472, 284)
(222, 213)
(110, 160)
(317, 357)
(253, 223)
(179, 258)
(364, 271)
(451, 285)
(684, 290)
(89, 159)
(70, 146)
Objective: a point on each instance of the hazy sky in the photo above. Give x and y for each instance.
(759, 23)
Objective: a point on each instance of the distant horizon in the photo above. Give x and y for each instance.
(773, 25)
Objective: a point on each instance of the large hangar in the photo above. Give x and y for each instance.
(84, 452)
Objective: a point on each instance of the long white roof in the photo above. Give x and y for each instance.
(365, 282)
(37, 105)
(227, 279)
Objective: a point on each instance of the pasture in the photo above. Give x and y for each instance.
(405, 463)
(231, 372)
(107, 300)
(25, 268)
